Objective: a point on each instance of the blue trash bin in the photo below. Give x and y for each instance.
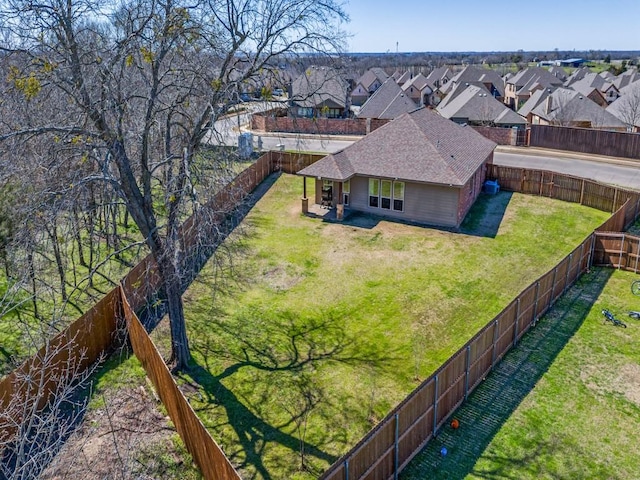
(491, 186)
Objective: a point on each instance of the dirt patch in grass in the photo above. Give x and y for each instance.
(630, 382)
(282, 277)
(126, 437)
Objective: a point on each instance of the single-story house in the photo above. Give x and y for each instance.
(476, 106)
(568, 108)
(388, 102)
(368, 83)
(319, 92)
(419, 167)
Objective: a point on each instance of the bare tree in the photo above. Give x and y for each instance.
(43, 410)
(627, 107)
(124, 94)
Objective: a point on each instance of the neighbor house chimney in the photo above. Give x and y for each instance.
(548, 103)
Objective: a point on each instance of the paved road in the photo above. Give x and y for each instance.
(613, 171)
(616, 172)
(303, 143)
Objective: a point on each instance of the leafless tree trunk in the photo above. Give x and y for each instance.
(125, 94)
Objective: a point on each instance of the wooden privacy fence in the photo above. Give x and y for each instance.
(95, 333)
(391, 445)
(586, 140)
(572, 189)
(617, 250)
(30, 387)
(212, 462)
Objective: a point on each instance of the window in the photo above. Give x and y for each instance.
(398, 196)
(385, 194)
(305, 112)
(374, 192)
(346, 190)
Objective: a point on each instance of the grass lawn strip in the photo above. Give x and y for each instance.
(564, 404)
(325, 327)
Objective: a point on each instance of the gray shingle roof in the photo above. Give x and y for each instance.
(627, 107)
(419, 82)
(319, 85)
(371, 75)
(568, 106)
(388, 102)
(404, 78)
(475, 104)
(420, 146)
(533, 101)
(486, 76)
(534, 75)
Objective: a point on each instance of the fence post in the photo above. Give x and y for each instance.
(395, 457)
(582, 192)
(435, 407)
(535, 304)
(495, 340)
(566, 278)
(466, 372)
(552, 299)
(615, 200)
(541, 182)
(515, 325)
(346, 469)
(592, 250)
(621, 250)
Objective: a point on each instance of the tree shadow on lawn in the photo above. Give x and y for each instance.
(486, 215)
(494, 400)
(276, 391)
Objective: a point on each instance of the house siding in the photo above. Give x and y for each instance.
(430, 204)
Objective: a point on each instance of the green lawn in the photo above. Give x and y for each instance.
(319, 329)
(564, 404)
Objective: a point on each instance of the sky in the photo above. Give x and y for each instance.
(463, 25)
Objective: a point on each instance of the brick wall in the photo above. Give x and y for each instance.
(502, 136)
(267, 122)
(469, 193)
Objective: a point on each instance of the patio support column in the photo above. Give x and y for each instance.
(305, 200)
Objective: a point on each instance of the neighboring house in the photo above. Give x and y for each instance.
(476, 106)
(598, 88)
(396, 75)
(319, 92)
(626, 78)
(469, 75)
(420, 167)
(568, 108)
(559, 73)
(523, 84)
(418, 90)
(368, 83)
(388, 102)
(404, 78)
(577, 74)
(438, 77)
(627, 107)
(534, 100)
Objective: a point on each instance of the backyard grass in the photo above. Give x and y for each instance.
(324, 327)
(564, 404)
